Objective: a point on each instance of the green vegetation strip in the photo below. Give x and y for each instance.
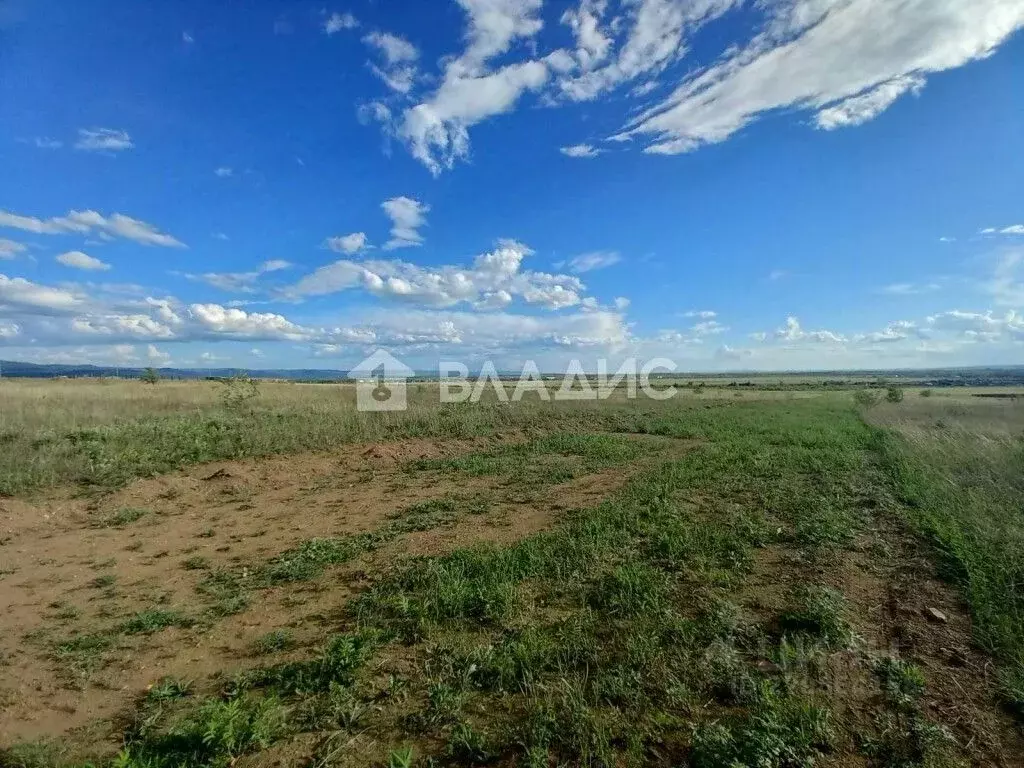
(966, 497)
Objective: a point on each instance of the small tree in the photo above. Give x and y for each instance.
(926, 393)
(866, 398)
(151, 376)
(894, 394)
(238, 391)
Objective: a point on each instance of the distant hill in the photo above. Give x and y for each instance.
(14, 369)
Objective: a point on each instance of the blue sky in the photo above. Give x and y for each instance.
(783, 184)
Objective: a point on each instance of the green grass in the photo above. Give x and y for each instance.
(550, 459)
(273, 642)
(153, 620)
(965, 497)
(124, 516)
(625, 635)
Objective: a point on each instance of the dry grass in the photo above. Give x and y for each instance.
(956, 462)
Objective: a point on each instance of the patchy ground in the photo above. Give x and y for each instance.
(727, 586)
(74, 568)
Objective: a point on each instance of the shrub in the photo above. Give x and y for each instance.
(894, 394)
(866, 398)
(238, 391)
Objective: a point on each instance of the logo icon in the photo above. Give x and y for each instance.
(381, 382)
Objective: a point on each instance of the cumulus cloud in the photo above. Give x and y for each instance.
(238, 324)
(494, 279)
(793, 332)
(845, 60)
(157, 357)
(19, 294)
(103, 140)
(407, 217)
(349, 244)
(580, 151)
(223, 172)
(79, 260)
(86, 222)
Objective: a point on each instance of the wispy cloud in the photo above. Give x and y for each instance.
(588, 262)
(847, 62)
(86, 222)
(103, 140)
(582, 151)
(338, 22)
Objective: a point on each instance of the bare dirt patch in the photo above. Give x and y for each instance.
(78, 570)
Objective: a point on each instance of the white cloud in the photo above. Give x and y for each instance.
(793, 332)
(393, 48)
(337, 22)
(157, 357)
(436, 129)
(9, 330)
(910, 289)
(580, 151)
(1006, 285)
(79, 260)
(655, 39)
(703, 314)
(24, 295)
(349, 244)
(407, 217)
(399, 71)
(85, 222)
(240, 282)
(44, 142)
(846, 60)
(9, 249)
(1016, 229)
(103, 140)
(867, 106)
(187, 38)
(587, 262)
(223, 172)
(592, 43)
(121, 326)
(491, 283)
(238, 324)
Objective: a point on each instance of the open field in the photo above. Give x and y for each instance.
(733, 577)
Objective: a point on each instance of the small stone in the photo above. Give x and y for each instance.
(936, 615)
